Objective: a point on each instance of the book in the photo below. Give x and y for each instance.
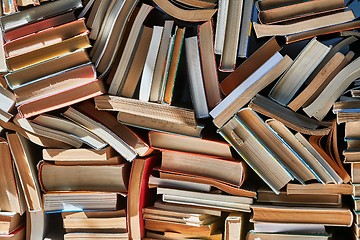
(169, 82)
(39, 25)
(236, 226)
(209, 200)
(241, 95)
(282, 236)
(294, 228)
(299, 10)
(42, 54)
(25, 157)
(112, 221)
(63, 81)
(101, 131)
(318, 188)
(208, 64)
(263, 30)
(289, 118)
(58, 178)
(149, 67)
(322, 104)
(44, 11)
(11, 197)
(160, 64)
(245, 29)
(280, 214)
(245, 143)
(231, 38)
(37, 71)
(250, 65)
(79, 201)
(71, 128)
(80, 154)
(120, 74)
(80, 235)
(289, 83)
(188, 209)
(195, 76)
(44, 38)
(7, 99)
(137, 65)
(10, 222)
(193, 15)
(138, 196)
(221, 20)
(233, 172)
(207, 146)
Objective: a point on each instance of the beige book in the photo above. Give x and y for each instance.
(323, 103)
(133, 77)
(318, 188)
(320, 81)
(263, 30)
(194, 15)
(80, 154)
(280, 214)
(236, 226)
(295, 76)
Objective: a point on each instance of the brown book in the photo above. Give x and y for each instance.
(165, 226)
(100, 221)
(318, 188)
(58, 178)
(174, 64)
(265, 195)
(208, 64)
(62, 99)
(352, 130)
(174, 175)
(139, 194)
(133, 77)
(80, 154)
(320, 81)
(263, 30)
(323, 31)
(326, 216)
(133, 138)
(289, 118)
(11, 198)
(25, 158)
(188, 15)
(233, 171)
(39, 26)
(48, 52)
(66, 80)
(299, 10)
(250, 65)
(10, 221)
(248, 93)
(351, 155)
(147, 109)
(207, 146)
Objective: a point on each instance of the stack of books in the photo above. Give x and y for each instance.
(179, 119)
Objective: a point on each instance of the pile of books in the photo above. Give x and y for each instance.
(180, 119)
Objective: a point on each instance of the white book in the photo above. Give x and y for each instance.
(270, 227)
(251, 80)
(3, 67)
(221, 26)
(7, 99)
(195, 77)
(304, 64)
(160, 64)
(148, 72)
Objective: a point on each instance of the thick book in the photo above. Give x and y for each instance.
(250, 65)
(62, 99)
(242, 94)
(233, 171)
(307, 60)
(128, 52)
(26, 157)
(236, 226)
(59, 178)
(255, 154)
(280, 214)
(139, 194)
(10, 221)
(80, 154)
(206, 145)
